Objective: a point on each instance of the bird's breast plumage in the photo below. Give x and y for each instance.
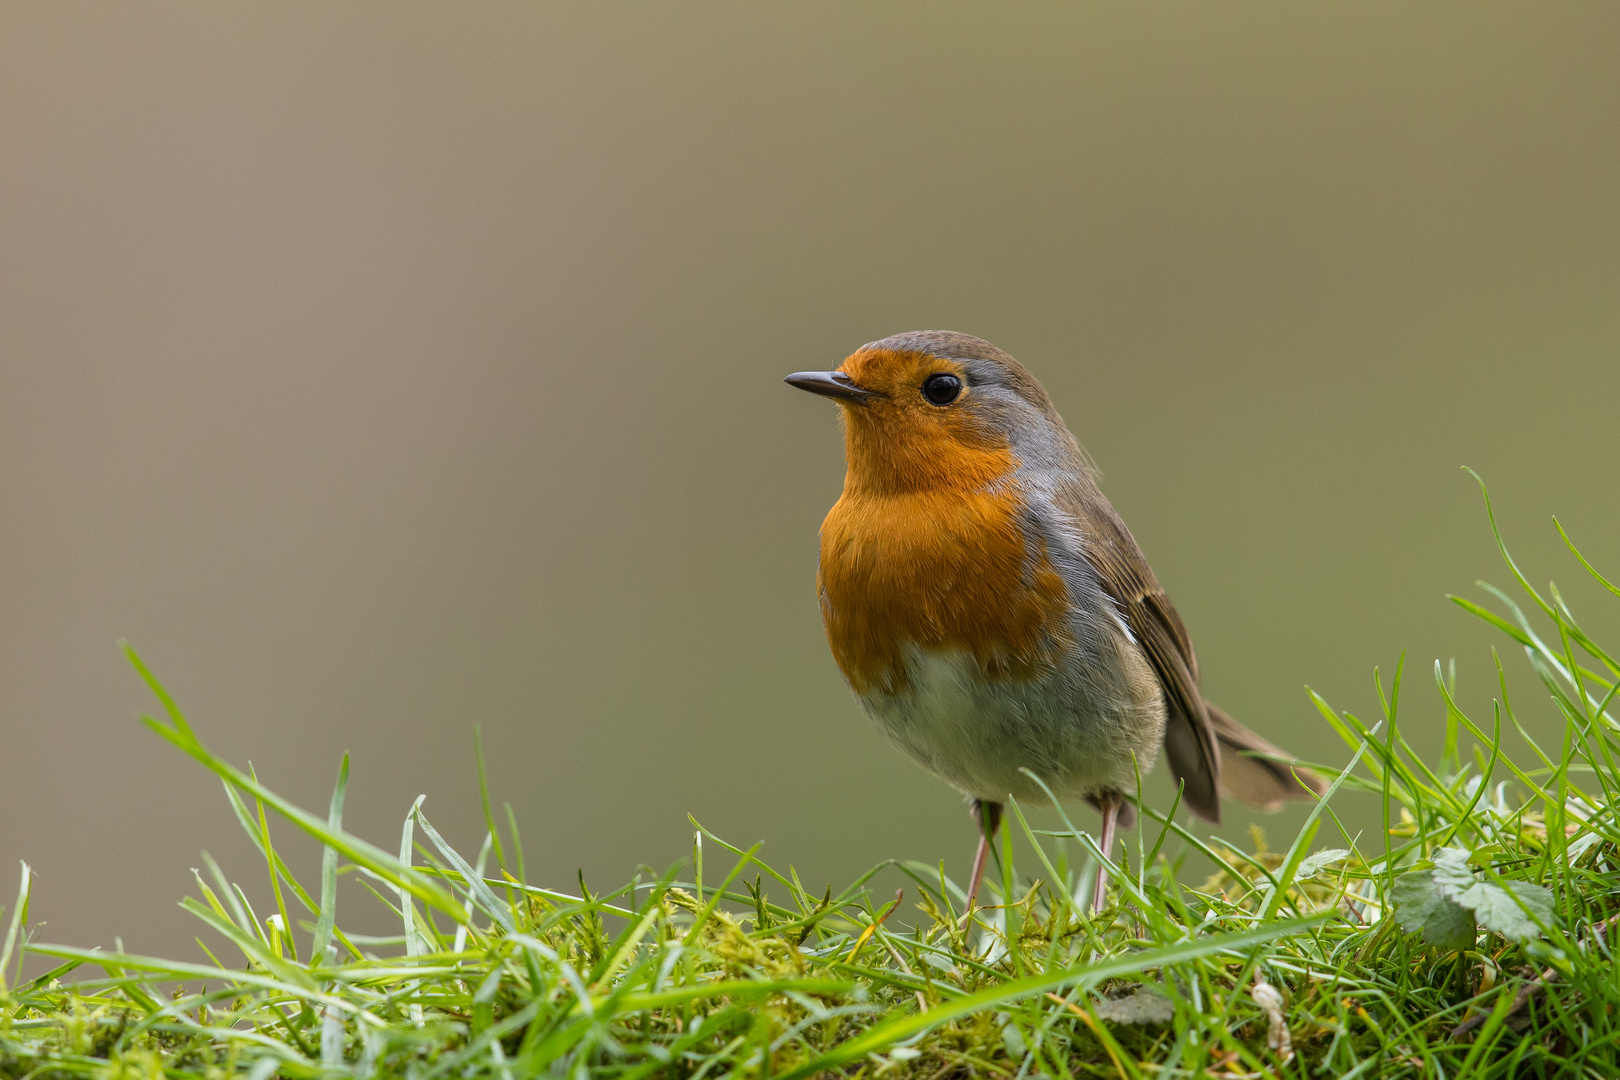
(973, 653)
(938, 570)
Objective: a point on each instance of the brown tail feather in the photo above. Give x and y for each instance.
(1258, 781)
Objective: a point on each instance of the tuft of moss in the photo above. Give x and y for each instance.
(1315, 960)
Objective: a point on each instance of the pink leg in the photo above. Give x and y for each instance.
(1110, 815)
(988, 816)
(980, 857)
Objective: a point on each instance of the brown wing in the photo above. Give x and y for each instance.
(1209, 752)
(1190, 742)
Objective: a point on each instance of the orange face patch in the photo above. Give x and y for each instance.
(903, 443)
(924, 546)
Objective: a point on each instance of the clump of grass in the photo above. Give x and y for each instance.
(1470, 939)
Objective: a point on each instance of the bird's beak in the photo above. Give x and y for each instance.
(833, 384)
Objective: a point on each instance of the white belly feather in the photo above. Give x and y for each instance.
(977, 733)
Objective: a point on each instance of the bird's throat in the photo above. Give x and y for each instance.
(898, 451)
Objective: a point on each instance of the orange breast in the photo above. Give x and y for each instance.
(942, 568)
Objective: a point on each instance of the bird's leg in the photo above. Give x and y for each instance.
(987, 815)
(1108, 803)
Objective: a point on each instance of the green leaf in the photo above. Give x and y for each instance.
(1499, 911)
(1423, 908)
(1445, 902)
(1142, 1007)
(1493, 905)
(1452, 873)
(1315, 864)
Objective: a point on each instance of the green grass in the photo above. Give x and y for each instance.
(1429, 951)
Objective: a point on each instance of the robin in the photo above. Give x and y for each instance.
(992, 612)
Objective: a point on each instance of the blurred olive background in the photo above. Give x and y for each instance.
(384, 370)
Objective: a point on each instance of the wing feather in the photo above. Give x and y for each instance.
(1190, 739)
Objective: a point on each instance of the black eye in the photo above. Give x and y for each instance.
(942, 389)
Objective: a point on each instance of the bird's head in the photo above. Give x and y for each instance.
(934, 409)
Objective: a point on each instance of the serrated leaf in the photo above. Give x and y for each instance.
(1490, 903)
(1315, 864)
(1452, 873)
(1142, 1007)
(1422, 908)
(1498, 911)
(1415, 895)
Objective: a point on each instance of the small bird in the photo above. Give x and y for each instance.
(991, 611)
